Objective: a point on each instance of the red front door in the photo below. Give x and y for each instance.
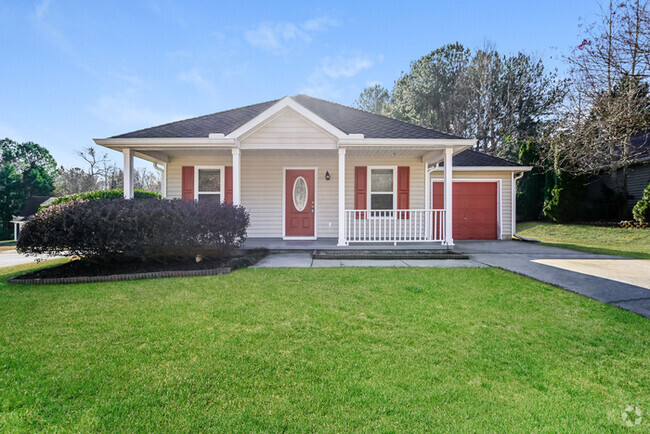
(474, 209)
(300, 203)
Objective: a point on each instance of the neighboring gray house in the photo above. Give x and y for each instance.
(29, 209)
(638, 176)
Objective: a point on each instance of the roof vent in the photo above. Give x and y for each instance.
(216, 136)
(355, 136)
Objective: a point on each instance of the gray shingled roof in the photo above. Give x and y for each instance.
(471, 158)
(347, 119)
(32, 204)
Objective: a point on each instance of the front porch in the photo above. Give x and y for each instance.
(301, 176)
(281, 245)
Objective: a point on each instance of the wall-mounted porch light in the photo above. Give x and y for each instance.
(327, 175)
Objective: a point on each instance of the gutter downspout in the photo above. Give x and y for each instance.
(514, 201)
(163, 179)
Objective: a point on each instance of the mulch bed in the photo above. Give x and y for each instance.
(85, 270)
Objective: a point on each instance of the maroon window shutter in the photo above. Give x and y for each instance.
(187, 181)
(403, 189)
(360, 187)
(228, 186)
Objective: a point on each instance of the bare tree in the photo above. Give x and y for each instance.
(608, 99)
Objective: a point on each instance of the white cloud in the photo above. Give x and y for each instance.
(345, 66)
(45, 23)
(123, 110)
(319, 24)
(279, 38)
(329, 78)
(195, 76)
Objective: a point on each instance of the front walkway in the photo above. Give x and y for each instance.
(331, 244)
(619, 281)
(305, 260)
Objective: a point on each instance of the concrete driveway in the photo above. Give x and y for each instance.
(615, 280)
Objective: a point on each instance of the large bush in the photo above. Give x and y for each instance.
(564, 199)
(104, 194)
(134, 228)
(641, 210)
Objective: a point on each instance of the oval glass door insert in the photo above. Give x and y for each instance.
(300, 193)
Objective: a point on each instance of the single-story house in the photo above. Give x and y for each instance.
(307, 169)
(30, 208)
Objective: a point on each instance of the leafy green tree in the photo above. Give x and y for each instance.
(26, 169)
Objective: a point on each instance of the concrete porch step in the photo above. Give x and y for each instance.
(386, 254)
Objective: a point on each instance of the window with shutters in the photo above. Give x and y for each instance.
(208, 183)
(382, 188)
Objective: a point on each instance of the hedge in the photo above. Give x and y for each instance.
(106, 229)
(103, 194)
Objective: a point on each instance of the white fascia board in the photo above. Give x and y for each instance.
(269, 114)
(487, 169)
(458, 144)
(164, 143)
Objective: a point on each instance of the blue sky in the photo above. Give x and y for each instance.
(77, 70)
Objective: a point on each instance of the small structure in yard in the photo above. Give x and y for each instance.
(30, 208)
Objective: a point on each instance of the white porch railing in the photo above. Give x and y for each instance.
(394, 226)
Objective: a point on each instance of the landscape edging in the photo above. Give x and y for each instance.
(120, 277)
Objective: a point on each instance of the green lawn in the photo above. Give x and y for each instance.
(631, 242)
(319, 350)
(7, 245)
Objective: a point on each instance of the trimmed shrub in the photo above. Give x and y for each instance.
(134, 228)
(103, 194)
(641, 210)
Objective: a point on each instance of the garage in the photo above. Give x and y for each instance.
(475, 209)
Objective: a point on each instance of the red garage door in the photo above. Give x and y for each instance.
(474, 209)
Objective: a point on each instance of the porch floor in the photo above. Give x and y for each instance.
(330, 244)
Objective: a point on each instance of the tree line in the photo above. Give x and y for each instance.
(568, 127)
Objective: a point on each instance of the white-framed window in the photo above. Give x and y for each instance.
(209, 183)
(382, 188)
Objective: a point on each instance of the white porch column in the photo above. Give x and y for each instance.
(128, 173)
(341, 197)
(236, 176)
(448, 239)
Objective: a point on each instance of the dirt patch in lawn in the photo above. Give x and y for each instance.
(136, 266)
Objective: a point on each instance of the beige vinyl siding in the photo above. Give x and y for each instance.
(288, 129)
(174, 169)
(262, 192)
(416, 177)
(505, 194)
(262, 185)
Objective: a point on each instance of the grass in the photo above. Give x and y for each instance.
(7, 245)
(319, 350)
(630, 242)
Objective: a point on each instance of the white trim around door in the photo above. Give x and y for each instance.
(284, 203)
(499, 198)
